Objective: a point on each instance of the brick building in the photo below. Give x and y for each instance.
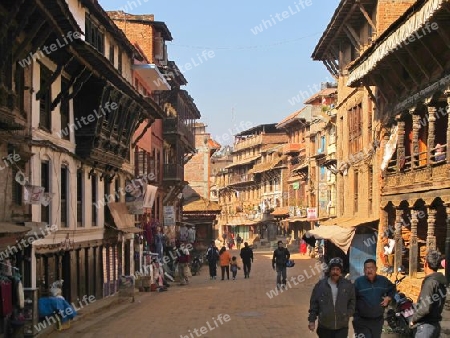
(408, 64)
(352, 30)
(251, 186)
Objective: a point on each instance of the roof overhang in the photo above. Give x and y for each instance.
(395, 37)
(152, 76)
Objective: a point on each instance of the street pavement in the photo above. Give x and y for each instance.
(213, 308)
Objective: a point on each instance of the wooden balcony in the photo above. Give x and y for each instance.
(248, 142)
(427, 171)
(177, 127)
(236, 179)
(173, 172)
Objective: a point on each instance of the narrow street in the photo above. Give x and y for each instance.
(244, 305)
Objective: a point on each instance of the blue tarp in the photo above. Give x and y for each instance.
(49, 305)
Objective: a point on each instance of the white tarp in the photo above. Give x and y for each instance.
(389, 148)
(341, 237)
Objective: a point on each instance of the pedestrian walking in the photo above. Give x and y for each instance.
(431, 300)
(279, 259)
(224, 237)
(234, 267)
(238, 242)
(183, 264)
(225, 260)
(247, 259)
(212, 255)
(332, 303)
(373, 294)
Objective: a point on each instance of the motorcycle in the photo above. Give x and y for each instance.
(400, 313)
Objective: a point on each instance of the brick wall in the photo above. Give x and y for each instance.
(140, 33)
(390, 10)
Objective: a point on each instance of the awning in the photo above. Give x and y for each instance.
(280, 211)
(297, 219)
(341, 237)
(122, 219)
(243, 222)
(152, 76)
(340, 231)
(7, 228)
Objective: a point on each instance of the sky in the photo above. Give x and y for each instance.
(246, 62)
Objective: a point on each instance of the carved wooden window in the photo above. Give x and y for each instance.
(17, 190)
(94, 192)
(111, 54)
(370, 188)
(45, 183)
(80, 184)
(45, 100)
(65, 111)
(64, 192)
(94, 35)
(355, 126)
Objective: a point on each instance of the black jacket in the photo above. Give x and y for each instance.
(332, 316)
(431, 299)
(247, 254)
(280, 257)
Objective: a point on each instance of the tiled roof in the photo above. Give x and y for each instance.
(201, 204)
(289, 118)
(323, 92)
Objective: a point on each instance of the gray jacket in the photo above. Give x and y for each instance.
(332, 316)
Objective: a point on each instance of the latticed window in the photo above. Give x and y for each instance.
(355, 126)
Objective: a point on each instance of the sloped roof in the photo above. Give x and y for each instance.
(323, 92)
(201, 204)
(290, 118)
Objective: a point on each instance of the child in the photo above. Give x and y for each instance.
(234, 266)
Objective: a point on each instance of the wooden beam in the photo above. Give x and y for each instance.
(414, 58)
(408, 69)
(366, 15)
(82, 78)
(64, 93)
(396, 75)
(444, 37)
(20, 48)
(330, 68)
(431, 55)
(332, 65)
(6, 25)
(354, 41)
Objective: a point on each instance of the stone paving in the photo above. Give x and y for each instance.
(212, 308)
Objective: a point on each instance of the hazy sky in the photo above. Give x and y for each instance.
(246, 61)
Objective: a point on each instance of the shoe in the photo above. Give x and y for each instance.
(222, 279)
(234, 278)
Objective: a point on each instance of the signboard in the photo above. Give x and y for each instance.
(126, 286)
(139, 195)
(311, 213)
(169, 215)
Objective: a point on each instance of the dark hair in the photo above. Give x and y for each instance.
(433, 258)
(370, 260)
(233, 258)
(222, 250)
(280, 242)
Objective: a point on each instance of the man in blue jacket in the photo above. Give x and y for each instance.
(373, 294)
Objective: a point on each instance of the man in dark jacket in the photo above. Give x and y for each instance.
(333, 302)
(280, 257)
(428, 310)
(247, 259)
(212, 255)
(373, 294)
